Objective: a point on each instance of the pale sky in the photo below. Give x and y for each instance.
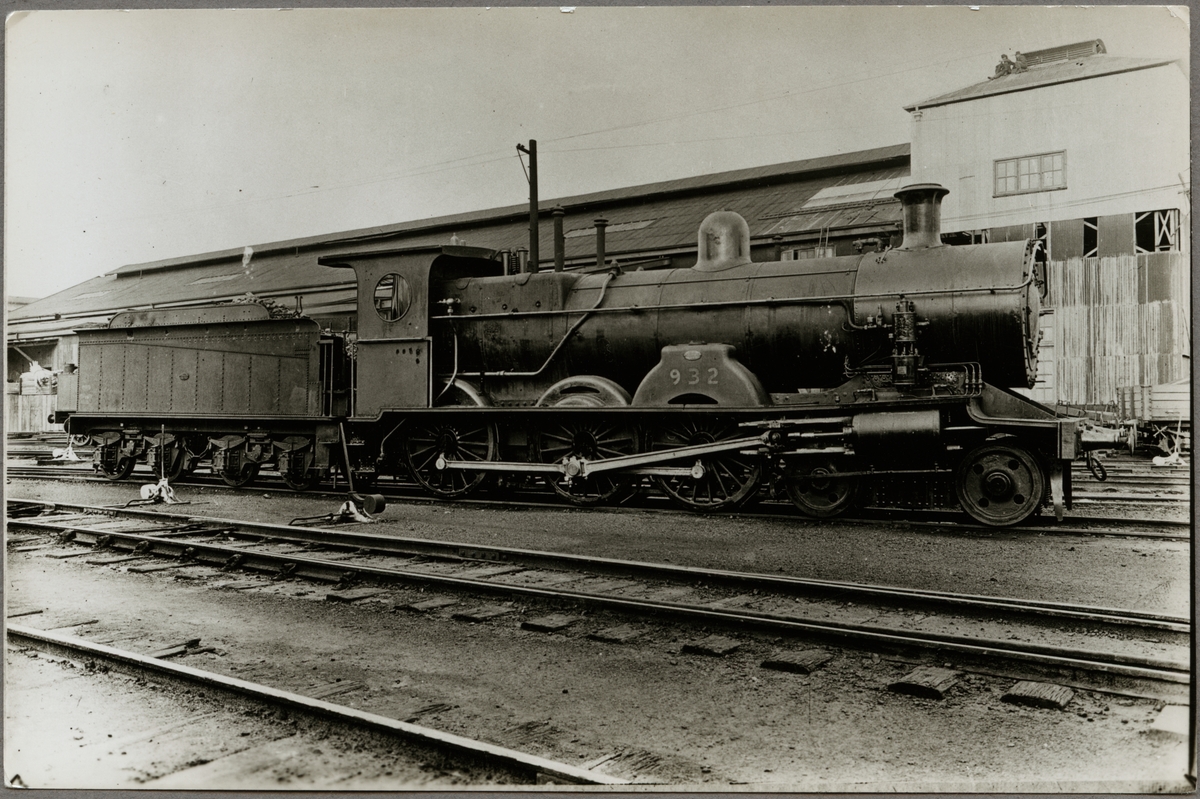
(134, 136)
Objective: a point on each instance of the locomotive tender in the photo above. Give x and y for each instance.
(880, 377)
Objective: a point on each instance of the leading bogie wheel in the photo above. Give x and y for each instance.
(727, 480)
(999, 484)
(819, 492)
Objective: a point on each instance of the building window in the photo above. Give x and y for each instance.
(803, 254)
(1041, 242)
(1045, 172)
(1156, 231)
(967, 237)
(1091, 237)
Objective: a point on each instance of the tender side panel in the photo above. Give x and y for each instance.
(252, 368)
(185, 393)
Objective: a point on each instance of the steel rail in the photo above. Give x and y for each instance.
(399, 545)
(1169, 497)
(521, 762)
(290, 564)
(773, 510)
(1153, 669)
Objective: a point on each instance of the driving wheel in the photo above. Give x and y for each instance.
(450, 437)
(589, 436)
(727, 479)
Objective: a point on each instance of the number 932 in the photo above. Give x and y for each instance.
(694, 375)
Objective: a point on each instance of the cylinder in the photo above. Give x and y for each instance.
(898, 435)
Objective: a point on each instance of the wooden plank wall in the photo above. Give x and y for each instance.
(1119, 321)
(27, 413)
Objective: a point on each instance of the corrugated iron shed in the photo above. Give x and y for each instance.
(783, 199)
(1066, 71)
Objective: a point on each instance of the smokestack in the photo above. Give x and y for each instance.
(560, 243)
(601, 224)
(922, 215)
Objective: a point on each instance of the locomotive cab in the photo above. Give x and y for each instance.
(394, 358)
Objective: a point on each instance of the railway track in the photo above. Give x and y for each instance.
(1170, 481)
(1100, 648)
(396, 491)
(407, 746)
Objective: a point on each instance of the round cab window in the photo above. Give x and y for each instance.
(392, 297)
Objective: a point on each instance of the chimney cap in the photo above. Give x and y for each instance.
(913, 188)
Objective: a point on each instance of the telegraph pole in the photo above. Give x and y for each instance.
(531, 151)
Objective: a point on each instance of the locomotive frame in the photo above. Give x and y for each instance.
(863, 377)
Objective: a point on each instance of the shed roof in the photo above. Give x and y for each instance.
(844, 191)
(1045, 74)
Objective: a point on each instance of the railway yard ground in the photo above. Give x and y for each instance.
(589, 688)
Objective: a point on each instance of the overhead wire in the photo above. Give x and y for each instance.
(496, 156)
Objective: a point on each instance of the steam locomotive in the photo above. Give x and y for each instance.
(880, 378)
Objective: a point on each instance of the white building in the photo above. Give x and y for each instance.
(1088, 153)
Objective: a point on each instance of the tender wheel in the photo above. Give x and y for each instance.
(306, 482)
(176, 460)
(819, 492)
(80, 439)
(120, 470)
(243, 477)
(728, 480)
(462, 439)
(591, 440)
(1000, 485)
(194, 448)
(179, 463)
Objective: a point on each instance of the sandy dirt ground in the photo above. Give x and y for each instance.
(663, 716)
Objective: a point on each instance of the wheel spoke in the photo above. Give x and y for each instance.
(730, 478)
(426, 443)
(424, 462)
(716, 474)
